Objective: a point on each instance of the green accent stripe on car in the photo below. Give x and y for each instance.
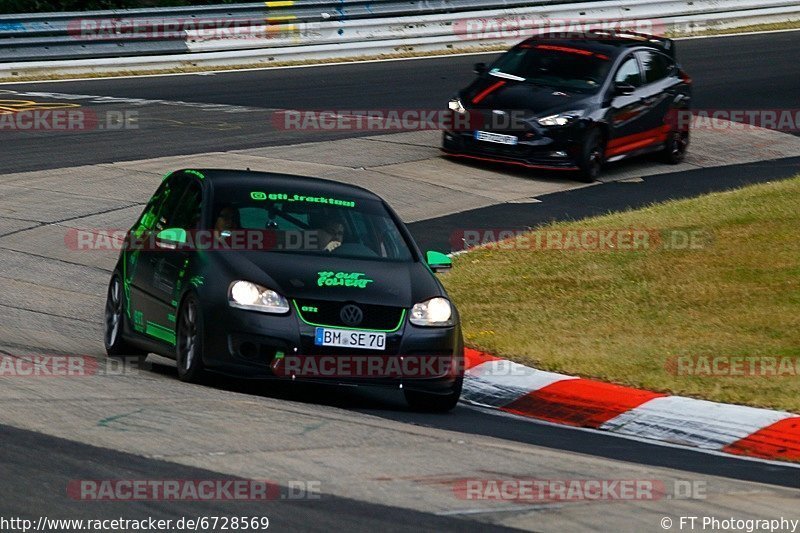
(160, 332)
(196, 173)
(397, 327)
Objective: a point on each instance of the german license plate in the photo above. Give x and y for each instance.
(345, 338)
(498, 138)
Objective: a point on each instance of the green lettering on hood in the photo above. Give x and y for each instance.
(343, 279)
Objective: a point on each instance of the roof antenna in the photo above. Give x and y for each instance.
(248, 169)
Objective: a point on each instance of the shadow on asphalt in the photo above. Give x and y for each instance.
(390, 405)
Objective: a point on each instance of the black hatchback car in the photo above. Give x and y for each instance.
(271, 275)
(573, 104)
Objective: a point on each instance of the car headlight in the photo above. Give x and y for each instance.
(456, 105)
(246, 295)
(433, 312)
(561, 119)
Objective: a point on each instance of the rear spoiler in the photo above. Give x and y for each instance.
(667, 45)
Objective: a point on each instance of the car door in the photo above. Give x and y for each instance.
(144, 300)
(660, 89)
(628, 113)
(169, 267)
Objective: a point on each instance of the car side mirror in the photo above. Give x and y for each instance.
(171, 238)
(480, 68)
(438, 262)
(623, 89)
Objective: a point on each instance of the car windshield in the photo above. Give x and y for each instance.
(562, 67)
(315, 224)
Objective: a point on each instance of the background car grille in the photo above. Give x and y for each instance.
(328, 314)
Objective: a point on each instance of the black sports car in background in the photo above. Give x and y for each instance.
(573, 104)
(270, 275)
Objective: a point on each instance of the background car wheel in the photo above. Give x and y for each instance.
(115, 313)
(676, 147)
(434, 403)
(592, 156)
(189, 341)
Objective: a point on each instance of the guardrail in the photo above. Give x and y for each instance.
(287, 30)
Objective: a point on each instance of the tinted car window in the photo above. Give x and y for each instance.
(163, 202)
(563, 67)
(187, 212)
(629, 73)
(656, 66)
(312, 224)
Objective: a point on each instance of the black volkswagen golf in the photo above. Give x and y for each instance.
(271, 275)
(573, 104)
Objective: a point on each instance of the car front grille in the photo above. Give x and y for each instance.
(327, 313)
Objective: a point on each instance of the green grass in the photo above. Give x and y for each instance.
(621, 316)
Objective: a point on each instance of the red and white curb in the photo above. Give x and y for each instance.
(501, 384)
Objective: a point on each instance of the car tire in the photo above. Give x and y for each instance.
(434, 403)
(114, 343)
(591, 157)
(189, 341)
(675, 148)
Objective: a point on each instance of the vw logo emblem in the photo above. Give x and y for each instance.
(351, 315)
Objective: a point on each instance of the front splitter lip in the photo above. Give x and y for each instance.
(508, 161)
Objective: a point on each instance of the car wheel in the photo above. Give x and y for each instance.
(115, 313)
(592, 156)
(434, 403)
(676, 146)
(189, 341)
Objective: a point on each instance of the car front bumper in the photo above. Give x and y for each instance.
(555, 149)
(258, 345)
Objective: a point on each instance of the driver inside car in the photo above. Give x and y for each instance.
(331, 235)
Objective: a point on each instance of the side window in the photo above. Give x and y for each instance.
(186, 213)
(161, 202)
(175, 186)
(629, 73)
(656, 66)
(148, 217)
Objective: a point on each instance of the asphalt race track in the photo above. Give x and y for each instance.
(749, 72)
(378, 465)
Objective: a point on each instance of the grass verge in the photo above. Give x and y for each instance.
(625, 316)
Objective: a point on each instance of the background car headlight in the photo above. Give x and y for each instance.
(433, 312)
(456, 105)
(246, 295)
(561, 119)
